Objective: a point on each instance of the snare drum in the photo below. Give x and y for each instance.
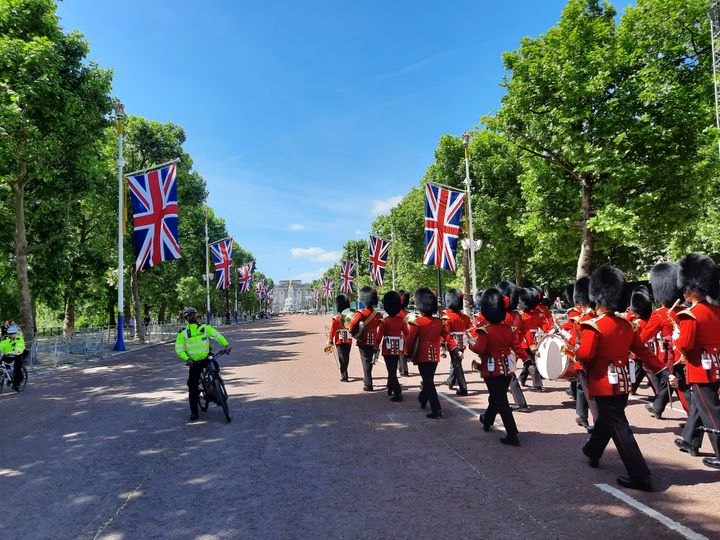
(551, 362)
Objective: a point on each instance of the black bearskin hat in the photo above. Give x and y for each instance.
(426, 301)
(454, 299)
(492, 306)
(392, 303)
(664, 283)
(607, 288)
(698, 274)
(568, 293)
(509, 289)
(527, 299)
(369, 296)
(478, 296)
(641, 303)
(581, 293)
(341, 303)
(404, 298)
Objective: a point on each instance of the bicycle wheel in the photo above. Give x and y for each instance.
(2, 382)
(24, 381)
(204, 400)
(222, 398)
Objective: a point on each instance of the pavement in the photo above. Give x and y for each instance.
(105, 451)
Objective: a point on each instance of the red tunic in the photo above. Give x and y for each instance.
(605, 344)
(575, 333)
(546, 315)
(339, 335)
(429, 331)
(394, 330)
(572, 313)
(497, 345)
(699, 340)
(369, 338)
(532, 322)
(456, 324)
(658, 334)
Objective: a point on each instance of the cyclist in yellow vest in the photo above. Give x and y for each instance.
(193, 346)
(12, 348)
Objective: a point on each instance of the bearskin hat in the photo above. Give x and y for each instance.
(527, 299)
(698, 274)
(392, 303)
(664, 283)
(492, 306)
(509, 289)
(404, 298)
(341, 303)
(641, 302)
(426, 301)
(478, 296)
(454, 299)
(568, 293)
(369, 296)
(607, 288)
(581, 292)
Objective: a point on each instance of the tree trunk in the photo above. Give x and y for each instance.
(518, 273)
(140, 336)
(161, 313)
(21, 248)
(69, 321)
(469, 300)
(584, 264)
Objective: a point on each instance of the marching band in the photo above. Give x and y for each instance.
(603, 349)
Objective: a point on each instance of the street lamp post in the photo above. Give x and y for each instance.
(466, 142)
(120, 117)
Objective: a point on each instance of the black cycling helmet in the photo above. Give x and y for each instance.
(189, 311)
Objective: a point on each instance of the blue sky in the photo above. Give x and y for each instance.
(308, 118)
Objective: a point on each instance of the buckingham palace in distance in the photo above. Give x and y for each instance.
(291, 296)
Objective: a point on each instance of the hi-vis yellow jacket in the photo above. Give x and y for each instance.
(193, 342)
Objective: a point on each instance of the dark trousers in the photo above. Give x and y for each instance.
(640, 373)
(393, 384)
(17, 367)
(612, 424)
(428, 393)
(403, 365)
(683, 391)
(704, 412)
(343, 352)
(530, 369)
(498, 404)
(582, 405)
(517, 393)
(193, 382)
(457, 375)
(366, 356)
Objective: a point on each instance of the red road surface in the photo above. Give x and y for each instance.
(105, 451)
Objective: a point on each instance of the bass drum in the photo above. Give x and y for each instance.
(551, 361)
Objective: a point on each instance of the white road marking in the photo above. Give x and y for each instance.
(669, 523)
(641, 400)
(469, 410)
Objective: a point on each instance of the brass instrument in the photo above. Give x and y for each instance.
(330, 347)
(412, 317)
(475, 366)
(347, 316)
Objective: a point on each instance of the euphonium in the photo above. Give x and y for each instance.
(347, 316)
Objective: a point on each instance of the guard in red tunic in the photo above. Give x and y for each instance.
(638, 315)
(423, 347)
(534, 324)
(514, 320)
(340, 337)
(393, 332)
(699, 342)
(605, 344)
(658, 335)
(456, 323)
(405, 302)
(497, 345)
(365, 329)
(567, 327)
(542, 307)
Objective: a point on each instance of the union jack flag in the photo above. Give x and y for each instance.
(261, 291)
(315, 296)
(443, 210)
(347, 276)
(245, 277)
(222, 257)
(378, 259)
(155, 216)
(328, 286)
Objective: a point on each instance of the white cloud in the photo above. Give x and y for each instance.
(297, 227)
(384, 206)
(315, 254)
(358, 232)
(307, 277)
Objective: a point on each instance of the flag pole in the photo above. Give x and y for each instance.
(120, 116)
(357, 277)
(237, 315)
(392, 254)
(466, 142)
(439, 311)
(207, 265)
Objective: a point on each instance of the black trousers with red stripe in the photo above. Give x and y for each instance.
(612, 424)
(704, 412)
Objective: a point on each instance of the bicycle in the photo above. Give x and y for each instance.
(6, 374)
(212, 387)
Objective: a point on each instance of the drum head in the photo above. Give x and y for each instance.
(551, 362)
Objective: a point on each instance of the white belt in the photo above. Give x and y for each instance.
(459, 337)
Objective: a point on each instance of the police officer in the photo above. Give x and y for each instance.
(193, 346)
(13, 347)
